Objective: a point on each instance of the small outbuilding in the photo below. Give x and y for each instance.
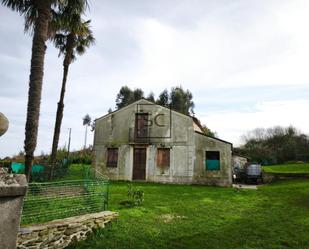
(148, 142)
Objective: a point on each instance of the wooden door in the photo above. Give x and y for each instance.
(139, 164)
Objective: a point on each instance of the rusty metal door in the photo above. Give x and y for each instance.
(139, 164)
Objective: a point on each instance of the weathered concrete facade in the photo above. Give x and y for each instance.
(222, 177)
(178, 134)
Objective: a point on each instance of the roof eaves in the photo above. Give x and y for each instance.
(203, 134)
(236, 154)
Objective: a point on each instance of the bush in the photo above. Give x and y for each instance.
(136, 197)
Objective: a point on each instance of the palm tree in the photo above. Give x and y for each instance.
(42, 11)
(72, 38)
(86, 122)
(37, 16)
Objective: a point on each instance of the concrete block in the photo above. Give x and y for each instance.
(12, 191)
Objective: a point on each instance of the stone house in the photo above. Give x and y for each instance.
(148, 142)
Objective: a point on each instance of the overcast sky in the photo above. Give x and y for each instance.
(245, 61)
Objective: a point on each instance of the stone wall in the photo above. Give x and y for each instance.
(269, 177)
(60, 233)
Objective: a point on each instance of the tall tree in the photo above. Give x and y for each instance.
(208, 131)
(86, 122)
(126, 96)
(181, 100)
(37, 16)
(72, 38)
(163, 98)
(151, 97)
(37, 13)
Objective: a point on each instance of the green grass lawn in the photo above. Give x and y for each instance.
(183, 216)
(288, 168)
(76, 172)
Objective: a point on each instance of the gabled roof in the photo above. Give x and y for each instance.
(194, 119)
(150, 102)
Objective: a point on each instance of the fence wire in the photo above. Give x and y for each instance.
(47, 201)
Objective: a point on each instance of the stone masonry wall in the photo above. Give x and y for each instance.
(269, 176)
(60, 233)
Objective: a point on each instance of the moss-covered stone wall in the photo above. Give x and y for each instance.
(60, 233)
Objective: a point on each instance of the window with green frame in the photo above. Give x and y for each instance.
(212, 161)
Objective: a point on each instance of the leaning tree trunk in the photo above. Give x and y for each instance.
(59, 115)
(35, 82)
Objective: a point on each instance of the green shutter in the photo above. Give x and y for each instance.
(212, 164)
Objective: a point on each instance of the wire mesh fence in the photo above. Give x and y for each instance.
(47, 201)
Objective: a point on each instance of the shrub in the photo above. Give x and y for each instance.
(136, 197)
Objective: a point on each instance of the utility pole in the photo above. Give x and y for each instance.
(70, 129)
(85, 137)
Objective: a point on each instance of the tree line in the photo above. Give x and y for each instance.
(179, 99)
(275, 145)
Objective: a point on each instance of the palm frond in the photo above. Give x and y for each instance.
(17, 5)
(80, 50)
(78, 35)
(84, 39)
(60, 42)
(70, 7)
(53, 26)
(26, 8)
(30, 15)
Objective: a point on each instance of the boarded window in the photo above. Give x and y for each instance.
(112, 157)
(163, 157)
(212, 161)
